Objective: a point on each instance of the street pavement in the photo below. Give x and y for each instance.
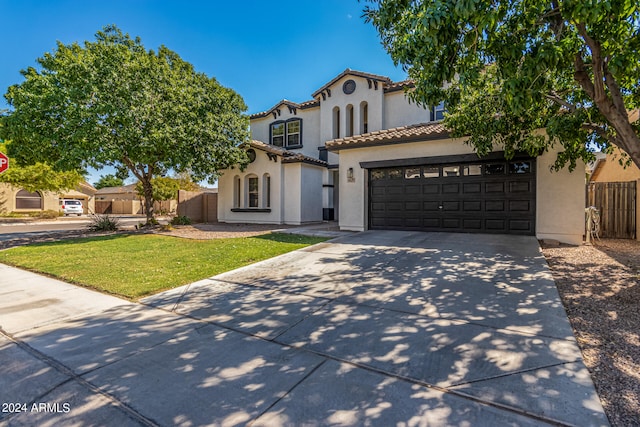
(374, 328)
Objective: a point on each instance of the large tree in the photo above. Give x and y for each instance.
(111, 102)
(507, 69)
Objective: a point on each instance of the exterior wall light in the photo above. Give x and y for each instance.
(350, 176)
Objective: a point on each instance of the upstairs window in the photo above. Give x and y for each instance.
(286, 134)
(293, 133)
(277, 134)
(437, 112)
(364, 117)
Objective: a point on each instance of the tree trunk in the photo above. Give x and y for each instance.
(148, 199)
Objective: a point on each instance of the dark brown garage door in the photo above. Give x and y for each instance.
(479, 197)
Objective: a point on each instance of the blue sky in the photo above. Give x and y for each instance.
(264, 50)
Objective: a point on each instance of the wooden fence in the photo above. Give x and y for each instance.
(616, 202)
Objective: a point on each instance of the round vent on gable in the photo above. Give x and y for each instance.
(251, 153)
(349, 87)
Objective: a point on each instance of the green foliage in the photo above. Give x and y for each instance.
(164, 188)
(103, 223)
(137, 265)
(111, 102)
(507, 69)
(48, 214)
(38, 177)
(181, 220)
(108, 180)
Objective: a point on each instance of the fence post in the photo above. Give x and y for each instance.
(637, 209)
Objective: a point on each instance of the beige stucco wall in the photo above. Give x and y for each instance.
(398, 111)
(8, 200)
(310, 128)
(560, 201)
(610, 170)
(560, 195)
(261, 166)
(374, 99)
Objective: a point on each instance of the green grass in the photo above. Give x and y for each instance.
(134, 266)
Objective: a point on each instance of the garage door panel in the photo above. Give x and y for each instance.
(451, 223)
(495, 224)
(451, 188)
(412, 189)
(412, 207)
(519, 187)
(377, 207)
(494, 187)
(472, 224)
(472, 205)
(519, 205)
(431, 188)
(472, 188)
(520, 225)
(491, 197)
(494, 206)
(378, 191)
(431, 206)
(449, 206)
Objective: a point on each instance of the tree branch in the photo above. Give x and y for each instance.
(555, 98)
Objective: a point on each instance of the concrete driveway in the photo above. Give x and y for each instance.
(375, 328)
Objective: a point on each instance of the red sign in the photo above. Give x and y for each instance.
(4, 162)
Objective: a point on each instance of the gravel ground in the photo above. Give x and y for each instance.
(600, 289)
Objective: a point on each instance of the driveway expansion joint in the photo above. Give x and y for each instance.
(72, 376)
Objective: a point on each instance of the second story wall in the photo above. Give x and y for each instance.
(285, 121)
(354, 106)
(399, 111)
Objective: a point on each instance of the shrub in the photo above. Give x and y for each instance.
(48, 214)
(103, 223)
(181, 220)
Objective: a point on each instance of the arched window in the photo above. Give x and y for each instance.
(28, 200)
(237, 192)
(336, 122)
(349, 127)
(364, 117)
(253, 192)
(266, 190)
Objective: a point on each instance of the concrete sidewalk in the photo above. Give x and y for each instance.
(376, 328)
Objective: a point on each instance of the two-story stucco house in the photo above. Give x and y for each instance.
(361, 153)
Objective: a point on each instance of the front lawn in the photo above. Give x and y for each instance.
(134, 266)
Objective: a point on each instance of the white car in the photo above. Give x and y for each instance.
(70, 207)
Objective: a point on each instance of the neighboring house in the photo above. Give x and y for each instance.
(607, 168)
(361, 153)
(122, 200)
(13, 199)
(124, 192)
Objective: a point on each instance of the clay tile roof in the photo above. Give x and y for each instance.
(410, 133)
(396, 86)
(351, 72)
(307, 104)
(287, 156)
